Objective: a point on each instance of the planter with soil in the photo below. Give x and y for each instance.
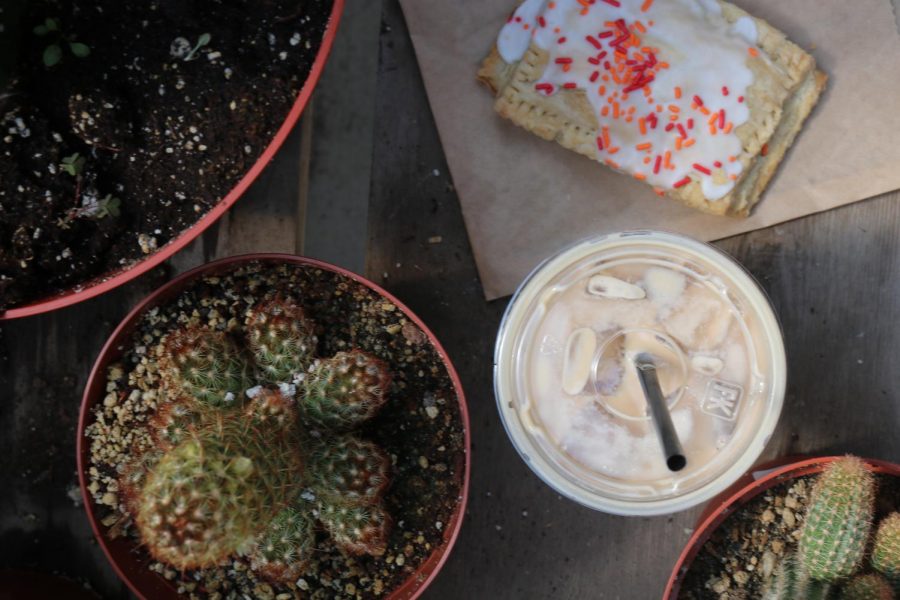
(126, 129)
(816, 529)
(274, 427)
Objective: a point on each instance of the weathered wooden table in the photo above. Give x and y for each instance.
(834, 279)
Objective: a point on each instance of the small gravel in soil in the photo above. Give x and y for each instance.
(426, 448)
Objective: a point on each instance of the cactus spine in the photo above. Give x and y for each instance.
(867, 587)
(205, 365)
(282, 339)
(208, 497)
(833, 538)
(283, 550)
(886, 552)
(343, 391)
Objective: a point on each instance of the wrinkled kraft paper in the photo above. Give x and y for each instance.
(524, 198)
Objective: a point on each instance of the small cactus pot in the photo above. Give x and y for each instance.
(132, 566)
(750, 486)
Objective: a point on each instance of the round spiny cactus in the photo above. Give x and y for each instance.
(356, 529)
(133, 476)
(833, 538)
(346, 468)
(282, 339)
(867, 587)
(345, 390)
(273, 409)
(283, 550)
(205, 365)
(209, 497)
(172, 423)
(886, 552)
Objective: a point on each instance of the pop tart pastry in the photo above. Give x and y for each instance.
(696, 98)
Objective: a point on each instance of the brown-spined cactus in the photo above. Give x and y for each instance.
(281, 337)
(173, 422)
(350, 470)
(839, 518)
(356, 529)
(283, 550)
(205, 365)
(867, 587)
(341, 392)
(208, 497)
(886, 550)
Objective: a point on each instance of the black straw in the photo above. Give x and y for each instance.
(659, 410)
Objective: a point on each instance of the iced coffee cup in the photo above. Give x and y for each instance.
(569, 392)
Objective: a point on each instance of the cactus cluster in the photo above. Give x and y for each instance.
(240, 466)
(834, 539)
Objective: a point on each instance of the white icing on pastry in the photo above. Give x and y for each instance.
(643, 64)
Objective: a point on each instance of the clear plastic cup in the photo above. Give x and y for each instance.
(567, 388)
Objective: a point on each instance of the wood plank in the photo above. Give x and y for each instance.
(834, 279)
(44, 364)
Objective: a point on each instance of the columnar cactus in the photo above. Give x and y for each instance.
(886, 551)
(867, 587)
(282, 339)
(207, 498)
(790, 582)
(226, 473)
(833, 538)
(343, 391)
(205, 365)
(284, 548)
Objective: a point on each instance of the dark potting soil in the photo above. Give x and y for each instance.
(163, 125)
(741, 555)
(420, 427)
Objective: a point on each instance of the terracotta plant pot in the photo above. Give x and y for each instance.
(131, 566)
(744, 491)
(114, 279)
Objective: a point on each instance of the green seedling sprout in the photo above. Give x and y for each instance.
(72, 164)
(203, 40)
(53, 53)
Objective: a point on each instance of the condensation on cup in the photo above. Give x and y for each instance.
(569, 395)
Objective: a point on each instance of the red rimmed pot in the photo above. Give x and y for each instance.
(130, 565)
(114, 279)
(745, 490)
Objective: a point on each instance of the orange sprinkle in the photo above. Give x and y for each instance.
(674, 109)
(728, 127)
(605, 78)
(612, 163)
(629, 119)
(677, 92)
(615, 110)
(663, 65)
(602, 90)
(584, 3)
(556, 29)
(712, 129)
(732, 158)
(566, 67)
(765, 149)
(606, 137)
(613, 150)
(668, 158)
(658, 191)
(640, 27)
(551, 4)
(704, 110)
(733, 177)
(604, 111)
(640, 176)
(644, 146)
(688, 143)
(753, 52)
(583, 12)
(678, 143)
(673, 118)
(642, 123)
(647, 160)
(526, 26)
(659, 108)
(646, 6)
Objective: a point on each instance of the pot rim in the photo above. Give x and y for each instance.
(419, 580)
(743, 491)
(113, 279)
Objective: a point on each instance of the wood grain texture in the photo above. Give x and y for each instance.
(834, 279)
